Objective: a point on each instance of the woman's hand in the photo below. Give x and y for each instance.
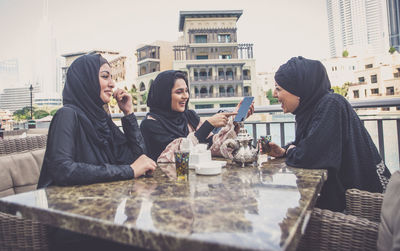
(220, 119)
(250, 111)
(142, 165)
(124, 100)
(276, 151)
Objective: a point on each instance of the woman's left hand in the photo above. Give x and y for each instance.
(251, 108)
(124, 100)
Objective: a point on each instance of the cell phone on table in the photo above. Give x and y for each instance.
(243, 109)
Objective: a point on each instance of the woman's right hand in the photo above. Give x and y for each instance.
(276, 151)
(142, 165)
(220, 119)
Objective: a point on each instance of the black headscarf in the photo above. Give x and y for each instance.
(159, 101)
(308, 80)
(82, 93)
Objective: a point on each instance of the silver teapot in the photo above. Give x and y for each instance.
(243, 153)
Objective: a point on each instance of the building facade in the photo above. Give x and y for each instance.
(9, 73)
(378, 77)
(220, 70)
(358, 26)
(341, 70)
(151, 60)
(393, 13)
(13, 99)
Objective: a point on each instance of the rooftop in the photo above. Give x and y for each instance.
(207, 13)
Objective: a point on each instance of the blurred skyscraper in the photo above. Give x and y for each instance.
(358, 26)
(9, 73)
(393, 7)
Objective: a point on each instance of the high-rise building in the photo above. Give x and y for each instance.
(220, 70)
(9, 73)
(393, 9)
(358, 26)
(13, 99)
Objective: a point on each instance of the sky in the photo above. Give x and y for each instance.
(279, 29)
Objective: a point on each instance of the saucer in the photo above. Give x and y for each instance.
(210, 168)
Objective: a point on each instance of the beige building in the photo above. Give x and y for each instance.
(220, 70)
(151, 60)
(378, 77)
(70, 57)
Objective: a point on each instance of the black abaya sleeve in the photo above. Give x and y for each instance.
(133, 135)
(60, 166)
(321, 145)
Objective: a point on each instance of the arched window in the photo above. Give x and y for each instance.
(230, 91)
(203, 91)
(247, 91)
(143, 70)
(142, 87)
(222, 91)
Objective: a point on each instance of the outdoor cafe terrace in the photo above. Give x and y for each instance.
(269, 206)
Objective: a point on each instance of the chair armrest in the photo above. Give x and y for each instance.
(329, 230)
(21, 234)
(364, 204)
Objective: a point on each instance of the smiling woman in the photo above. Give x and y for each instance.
(170, 121)
(329, 134)
(84, 145)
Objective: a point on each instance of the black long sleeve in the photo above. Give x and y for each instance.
(73, 159)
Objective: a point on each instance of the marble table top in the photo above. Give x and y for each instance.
(250, 208)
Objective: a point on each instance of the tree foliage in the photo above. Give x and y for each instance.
(23, 114)
(270, 97)
(345, 54)
(38, 114)
(392, 50)
(342, 90)
(53, 112)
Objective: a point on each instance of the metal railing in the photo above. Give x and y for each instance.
(271, 109)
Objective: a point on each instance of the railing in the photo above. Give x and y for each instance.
(286, 123)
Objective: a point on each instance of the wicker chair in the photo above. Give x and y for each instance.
(364, 204)
(19, 173)
(329, 230)
(14, 145)
(357, 230)
(22, 234)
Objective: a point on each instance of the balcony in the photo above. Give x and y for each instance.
(215, 79)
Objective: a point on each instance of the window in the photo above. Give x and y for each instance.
(396, 75)
(246, 75)
(361, 79)
(204, 106)
(202, 57)
(374, 79)
(228, 105)
(356, 94)
(385, 108)
(374, 91)
(224, 38)
(200, 38)
(225, 56)
(368, 66)
(390, 90)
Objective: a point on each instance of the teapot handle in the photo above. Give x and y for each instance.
(229, 143)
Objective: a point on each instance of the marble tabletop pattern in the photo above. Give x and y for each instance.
(250, 208)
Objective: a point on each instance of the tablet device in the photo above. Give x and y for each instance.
(243, 109)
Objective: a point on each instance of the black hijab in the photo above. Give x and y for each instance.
(159, 101)
(82, 93)
(308, 80)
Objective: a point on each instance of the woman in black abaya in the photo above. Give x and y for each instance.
(329, 134)
(84, 145)
(170, 121)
